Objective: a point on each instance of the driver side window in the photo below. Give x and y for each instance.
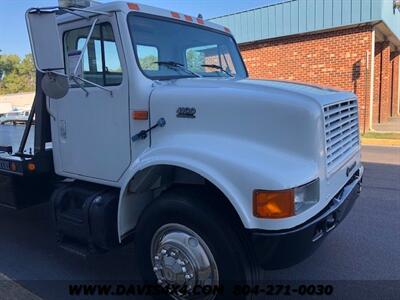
(100, 62)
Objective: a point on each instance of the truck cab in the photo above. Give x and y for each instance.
(160, 137)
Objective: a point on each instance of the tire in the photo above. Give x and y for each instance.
(184, 212)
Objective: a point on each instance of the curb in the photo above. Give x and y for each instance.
(380, 142)
(10, 290)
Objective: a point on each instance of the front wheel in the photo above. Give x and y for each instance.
(184, 241)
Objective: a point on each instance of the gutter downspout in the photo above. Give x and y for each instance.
(397, 113)
(372, 73)
(367, 67)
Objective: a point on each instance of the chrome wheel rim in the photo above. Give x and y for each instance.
(180, 257)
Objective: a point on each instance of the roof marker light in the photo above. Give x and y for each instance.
(133, 6)
(188, 18)
(175, 15)
(227, 30)
(200, 21)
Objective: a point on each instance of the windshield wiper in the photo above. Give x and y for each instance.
(176, 66)
(219, 68)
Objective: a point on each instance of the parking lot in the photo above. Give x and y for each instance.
(360, 258)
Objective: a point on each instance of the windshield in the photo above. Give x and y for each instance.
(167, 49)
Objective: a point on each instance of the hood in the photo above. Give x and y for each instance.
(282, 116)
(319, 94)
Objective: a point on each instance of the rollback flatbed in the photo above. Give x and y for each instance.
(28, 179)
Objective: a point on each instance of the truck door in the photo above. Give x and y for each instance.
(91, 125)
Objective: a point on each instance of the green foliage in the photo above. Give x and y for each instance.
(194, 60)
(148, 63)
(19, 74)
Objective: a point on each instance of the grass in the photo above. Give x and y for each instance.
(382, 135)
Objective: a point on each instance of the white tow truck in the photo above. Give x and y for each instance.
(148, 129)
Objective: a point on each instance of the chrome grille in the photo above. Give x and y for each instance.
(341, 132)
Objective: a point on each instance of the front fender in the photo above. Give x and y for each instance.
(236, 167)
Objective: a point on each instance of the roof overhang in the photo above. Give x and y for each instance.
(383, 33)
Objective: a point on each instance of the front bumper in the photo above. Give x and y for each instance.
(284, 248)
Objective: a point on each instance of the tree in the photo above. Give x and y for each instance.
(148, 62)
(8, 63)
(194, 60)
(18, 74)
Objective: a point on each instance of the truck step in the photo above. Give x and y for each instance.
(78, 248)
(75, 248)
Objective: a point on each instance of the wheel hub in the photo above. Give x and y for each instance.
(181, 257)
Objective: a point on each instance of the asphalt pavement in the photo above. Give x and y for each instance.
(361, 258)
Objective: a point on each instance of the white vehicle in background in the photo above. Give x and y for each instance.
(14, 117)
(168, 143)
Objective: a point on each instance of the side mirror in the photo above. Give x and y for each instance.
(45, 40)
(55, 86)
(48, 54)
(47, 51)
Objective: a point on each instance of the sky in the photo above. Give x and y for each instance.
(14, 39)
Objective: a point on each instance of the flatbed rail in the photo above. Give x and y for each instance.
(40, 161)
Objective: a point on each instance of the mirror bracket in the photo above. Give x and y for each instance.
(83, 50)
(74, 79)
(77, 12)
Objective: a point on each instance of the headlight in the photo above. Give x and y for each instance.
(306, 196)
(286, 203)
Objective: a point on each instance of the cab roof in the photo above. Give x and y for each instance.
(127, 7)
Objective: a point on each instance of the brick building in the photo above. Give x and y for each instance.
(346, 44)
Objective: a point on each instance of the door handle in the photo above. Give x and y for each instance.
(143, 134)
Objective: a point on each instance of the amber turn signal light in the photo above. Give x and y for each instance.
(140, 115)
(273, 204)
(31, 167)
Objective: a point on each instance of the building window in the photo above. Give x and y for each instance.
(212, 55)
